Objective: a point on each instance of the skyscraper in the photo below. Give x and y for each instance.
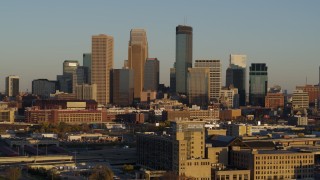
(214, 78)
(122, 87)
(151, 75)
(87, 63)
(101, 64)
(198, 86)
(137, 55)
(236, 76)
(70, 70)
(183, 56)
(44, 87)
(12, 86)
(258, 84)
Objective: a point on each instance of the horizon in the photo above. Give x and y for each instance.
(284, 35)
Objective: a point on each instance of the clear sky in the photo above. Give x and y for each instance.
(36, 36)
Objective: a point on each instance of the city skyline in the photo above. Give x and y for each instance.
(284, 35)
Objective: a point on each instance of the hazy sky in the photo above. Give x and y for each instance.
(37, 36)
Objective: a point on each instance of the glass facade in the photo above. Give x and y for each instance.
(183, 56)
(236, 77)
(258, 84)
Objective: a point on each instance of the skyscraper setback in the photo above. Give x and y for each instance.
(101, 64)
(137, 55)
(183, 56)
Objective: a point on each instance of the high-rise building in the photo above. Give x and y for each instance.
(300, 99)
(101, 64)
(87, 63)
(183, 56)
(44, 87)
(236, 76)
(198, 86)
(258, 84)
(214, 77)
(151, 74)
(137, 56)
(173, 80)
(70, 71)
(313, 92)
(122, 87)
(86, 91)
(229, 97)
(12, 86)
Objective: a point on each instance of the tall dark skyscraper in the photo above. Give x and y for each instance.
(151, 74)
(183, 56)
(258, 84)
(87, 63)
(122, 86)
(236, 76)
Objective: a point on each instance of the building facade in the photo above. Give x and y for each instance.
(86, 92)
(258, 84)
(12, 86)
(313, 92)
(101, 64)
(87, 63)
(198, 86)
(214, 77)
(137, 56)
(236, 76)
(300, 99)
(183, 56)
(274, 100)
(229, 97)
(44, 87)
(151, 74)
(122, 87)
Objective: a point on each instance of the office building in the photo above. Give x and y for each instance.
(274, 100)
(82, 74)
(183, 152)
(151, 75)
(101, 64)
(137, 55)
(70, 69)
(236, 76)
(44, 87)
(274, 164)
(313, 92)
(237, 130)
(12, 86)
(87, 63)
(229, 97)
(198, 86)
(65, 83)
(183, 57)
(300, 99)
(172, 80)
(122, 87)
(214, 77)
(258, 84)
(86, 91)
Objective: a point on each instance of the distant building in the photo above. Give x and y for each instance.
(137, 55)
(229, 97)
(87, 63)
(298, 121)
(12, 86)
(237, 130)
(274, 100)
(198, 86)
(151, 75)
(44, 87)
(172, 80)
(101, 64)
(300, 99)
(70, 68)
(258, 84)
(214, 77)
(313, 92)
(86, 92)
(183, 57)
(7, 115)
(230, 114)
(236, 76)
(122, 87)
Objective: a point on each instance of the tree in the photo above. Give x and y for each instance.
(13, 173)
(101, 173)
